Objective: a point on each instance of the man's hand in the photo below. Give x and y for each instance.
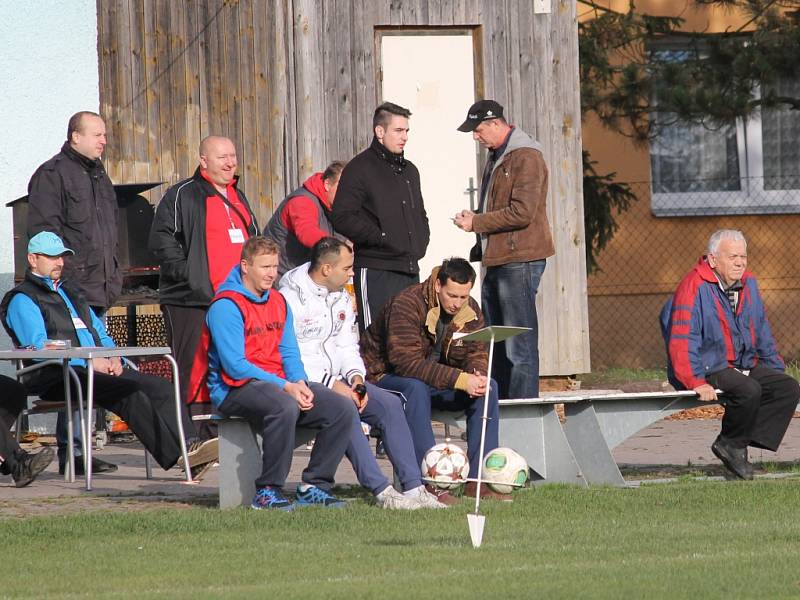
(115, 366)
(706, 393)
(358, 385)
(340, 387)
(476, 384)
(103, 365)
(463, 220)
(301, 393)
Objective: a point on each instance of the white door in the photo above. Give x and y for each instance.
(432, 75)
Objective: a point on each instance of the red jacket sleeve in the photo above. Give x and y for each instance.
(685, 336)
(301, 217)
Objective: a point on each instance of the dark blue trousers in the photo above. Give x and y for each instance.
(422, 398)
(384, 412)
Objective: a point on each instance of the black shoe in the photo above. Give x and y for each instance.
(380, 448)
(98, 466)
(29, 466)
(734, 459)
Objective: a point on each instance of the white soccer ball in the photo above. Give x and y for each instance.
(445, 466)
(504, 470)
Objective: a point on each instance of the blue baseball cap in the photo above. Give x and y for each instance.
(49, 244)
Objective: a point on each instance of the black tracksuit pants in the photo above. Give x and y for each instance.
(758, 406)
(145, 402)
(374, 288)
(13, 399)
(183, 326)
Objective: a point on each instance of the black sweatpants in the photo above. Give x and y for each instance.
(758, 406)
(13, 399)
(183, 325)
(374, 288)
(145, 402)
(276, 414)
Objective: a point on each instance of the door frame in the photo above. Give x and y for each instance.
(476, 31)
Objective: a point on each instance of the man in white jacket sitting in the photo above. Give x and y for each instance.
(327, 334)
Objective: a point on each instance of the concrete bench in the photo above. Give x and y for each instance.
(240, 459)
(577, 451)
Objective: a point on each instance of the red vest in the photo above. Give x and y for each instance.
(263, 330)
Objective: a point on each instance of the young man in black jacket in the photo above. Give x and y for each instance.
(379, 208)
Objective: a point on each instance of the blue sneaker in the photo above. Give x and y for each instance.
(271, 498)
(315, 496)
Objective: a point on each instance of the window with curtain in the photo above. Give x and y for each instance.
(752, 167)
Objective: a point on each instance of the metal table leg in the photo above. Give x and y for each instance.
(181, 432)
(88, 437)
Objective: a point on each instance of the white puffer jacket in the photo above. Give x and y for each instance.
(325, 326)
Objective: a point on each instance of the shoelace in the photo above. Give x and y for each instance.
(270, 496)
(318, 495)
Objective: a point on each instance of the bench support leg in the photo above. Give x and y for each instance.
(239, 463)
(240, 460)
(536, 433)
(590, 446)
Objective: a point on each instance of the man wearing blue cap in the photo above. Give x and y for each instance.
(72, 196)
(44, 306)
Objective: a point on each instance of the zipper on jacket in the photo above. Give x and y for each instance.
(410, 235)
(330, 333)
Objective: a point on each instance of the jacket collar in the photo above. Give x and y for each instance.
(396, 161)
(461, 318)
(199, 177)
(299, 281)
(706, 273)
(42, 281)
(90, 164)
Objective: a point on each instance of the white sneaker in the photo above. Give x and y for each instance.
(391, 499)
(424, 498)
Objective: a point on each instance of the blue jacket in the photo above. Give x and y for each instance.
(227, 346)
(703, 335)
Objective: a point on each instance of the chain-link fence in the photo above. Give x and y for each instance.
(662, 236)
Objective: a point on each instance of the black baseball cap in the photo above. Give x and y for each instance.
(482, 110)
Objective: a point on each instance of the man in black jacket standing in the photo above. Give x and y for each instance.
(72, 196)
(379, 208)
(197, 235)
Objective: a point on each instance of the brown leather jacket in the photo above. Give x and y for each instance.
(400, 340)
(515, 218)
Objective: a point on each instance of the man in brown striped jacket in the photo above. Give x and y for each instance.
(410, 349)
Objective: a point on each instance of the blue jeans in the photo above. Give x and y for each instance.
(421, 398)
(508, 297)
(384, 412)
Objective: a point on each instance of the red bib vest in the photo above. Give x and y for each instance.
(263, 330)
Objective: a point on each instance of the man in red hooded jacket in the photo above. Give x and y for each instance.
(303, 218)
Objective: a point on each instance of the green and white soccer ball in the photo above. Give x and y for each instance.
(445, 466)
(504, 470)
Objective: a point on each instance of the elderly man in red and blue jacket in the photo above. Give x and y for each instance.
(718, 337)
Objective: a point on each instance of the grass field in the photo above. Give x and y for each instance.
(683, 540)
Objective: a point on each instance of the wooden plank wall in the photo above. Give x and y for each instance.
(293, 83)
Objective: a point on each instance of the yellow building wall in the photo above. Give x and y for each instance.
(648, 256)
